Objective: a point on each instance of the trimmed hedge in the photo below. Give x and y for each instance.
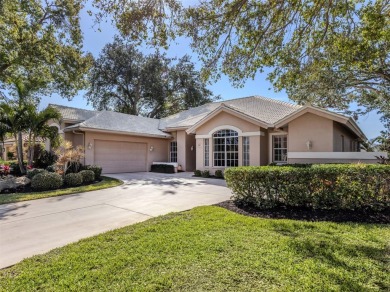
(332, 186)
(45, 181)
(73, 179)
(33, 172)
(197, 172)
(97, 170)
(88, 176)
(218, 173)
(163, 168)
(205, 173)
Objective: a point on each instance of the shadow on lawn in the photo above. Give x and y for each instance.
(306, 214)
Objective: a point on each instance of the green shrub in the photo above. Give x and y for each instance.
(15, 169)
(73, 179)
(45, 181)
(205, 173)
(332, 186)
(96, 169)
(51, 168)
(163, 168)
(33, 172)
(45, 159)
(88, 176)
(10, 155)
(74, 167)
(218, 173)
(197, 173)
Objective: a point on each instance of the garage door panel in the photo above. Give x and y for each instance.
(116, 157)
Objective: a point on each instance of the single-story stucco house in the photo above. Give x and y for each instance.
(244, 131)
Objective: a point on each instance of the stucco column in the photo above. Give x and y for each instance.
(181, 149)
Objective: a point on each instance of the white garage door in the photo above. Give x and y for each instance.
(116, 157)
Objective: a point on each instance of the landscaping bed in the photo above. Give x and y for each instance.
(307, 214)
(103, 183)
(213, 249)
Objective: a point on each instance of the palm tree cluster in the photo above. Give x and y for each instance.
(20, 116)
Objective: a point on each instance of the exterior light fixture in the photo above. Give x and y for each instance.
(89, 145)
(309, 145)
(192, 148)
(151, 148)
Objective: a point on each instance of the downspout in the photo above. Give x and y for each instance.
(81, 133)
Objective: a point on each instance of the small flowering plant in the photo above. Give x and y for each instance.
(4, 170)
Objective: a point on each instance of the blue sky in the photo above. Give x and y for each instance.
(94, 41)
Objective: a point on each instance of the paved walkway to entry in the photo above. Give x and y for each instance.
(34, 227)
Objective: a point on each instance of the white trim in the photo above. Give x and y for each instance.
(229, 127)
(168, 136)
(225, 127)
(270, 140)
(249, 134)
(336, 155)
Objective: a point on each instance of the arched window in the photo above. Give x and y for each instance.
(225, 148)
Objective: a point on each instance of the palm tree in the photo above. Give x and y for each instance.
(38, 127)
(13, 120)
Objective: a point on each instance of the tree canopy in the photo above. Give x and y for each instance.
(124, 80)
(41, 46)
(329, 53)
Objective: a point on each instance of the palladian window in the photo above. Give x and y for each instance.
(225, 148)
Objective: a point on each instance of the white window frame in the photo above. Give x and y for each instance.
(270, 145)
(225, 152)
(245, 151)
(206, 152)
(173, 151)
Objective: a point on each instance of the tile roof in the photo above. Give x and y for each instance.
(261, 108)
(72, 113)
(118, 122)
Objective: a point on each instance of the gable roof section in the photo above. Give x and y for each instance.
(231, 110)
(259, 108)
(347, 121)
(74, 114)
(113, 122)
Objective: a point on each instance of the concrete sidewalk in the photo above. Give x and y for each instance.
(34, 227)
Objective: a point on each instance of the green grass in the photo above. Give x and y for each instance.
(107, 182)
(212, 249)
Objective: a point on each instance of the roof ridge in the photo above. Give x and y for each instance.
(76, 108)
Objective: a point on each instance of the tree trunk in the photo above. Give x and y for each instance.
(20, 153)
(32, 152)
(30, 149)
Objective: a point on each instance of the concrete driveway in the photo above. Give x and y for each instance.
(34, 227)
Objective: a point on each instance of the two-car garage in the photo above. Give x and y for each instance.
(118, 156)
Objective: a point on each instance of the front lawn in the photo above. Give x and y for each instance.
(213, 249)
(106, 182)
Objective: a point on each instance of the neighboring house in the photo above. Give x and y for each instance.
(244, 131)
(9, 146)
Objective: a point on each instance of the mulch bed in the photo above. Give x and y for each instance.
(306, 214)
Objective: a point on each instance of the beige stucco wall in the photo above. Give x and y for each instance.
(159, 153)
(339, 131)
(224, 118)
(310, 127)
